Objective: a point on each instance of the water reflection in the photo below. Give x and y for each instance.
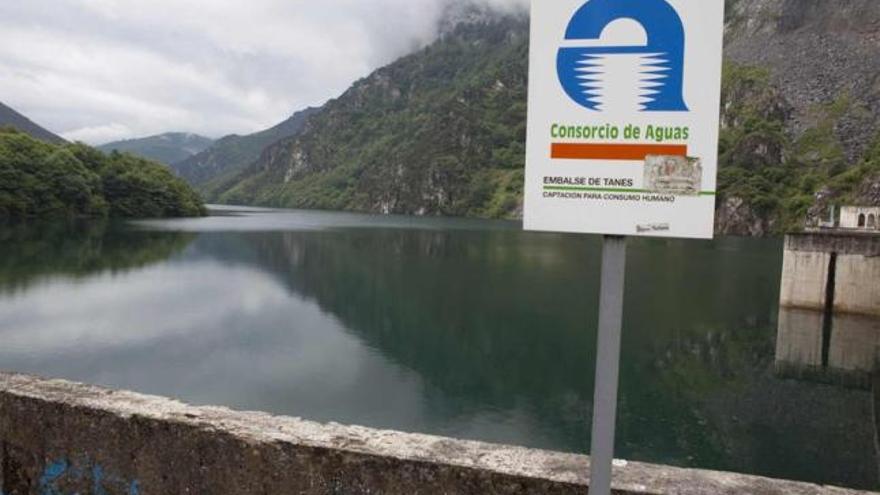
(846, 352)
(463, 328)
(30, 251)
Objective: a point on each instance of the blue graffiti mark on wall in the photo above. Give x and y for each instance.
(52, 472)
(660, 74)
(97, 474)
(59, 473)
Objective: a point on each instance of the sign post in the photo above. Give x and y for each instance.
(607, 363)
(622, 140)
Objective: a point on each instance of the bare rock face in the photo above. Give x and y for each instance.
(821, 209)
(736, 217)
(818, 52)
(458, 13)
(869, 193)
(441, 131)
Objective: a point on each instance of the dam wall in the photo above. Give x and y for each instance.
(876, 411)
(832, 270)
(64, 438)
(857, 288)
(829, 308)
(805, 274)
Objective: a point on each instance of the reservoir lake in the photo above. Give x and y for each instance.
(464, 328)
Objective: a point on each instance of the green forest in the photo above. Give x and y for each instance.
(778, 173)
(39, 179)
(442, 131)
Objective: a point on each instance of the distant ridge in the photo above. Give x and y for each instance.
(168, 148)
(9, 117)
(234, 153)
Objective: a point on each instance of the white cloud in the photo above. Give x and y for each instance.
(100, 70)
(99, 133)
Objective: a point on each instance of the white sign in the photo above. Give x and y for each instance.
(624, 100)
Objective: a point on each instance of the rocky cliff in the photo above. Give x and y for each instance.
(441, 132)
(816, 51)
(231, 154)
(821, 59)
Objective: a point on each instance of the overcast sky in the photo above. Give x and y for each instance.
(101, 70)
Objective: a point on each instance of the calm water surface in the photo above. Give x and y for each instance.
(471, 329)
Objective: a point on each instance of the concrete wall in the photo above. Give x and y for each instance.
(849, 217)
(804, 277)
(876, 388)
(805, 270)
(835, 242)
(857, 289)
(61, 438)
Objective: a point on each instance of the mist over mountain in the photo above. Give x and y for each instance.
(9, 117)
(441, 131)
(168, 148)
(134, 69)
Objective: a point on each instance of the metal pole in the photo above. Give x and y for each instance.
(607, 364)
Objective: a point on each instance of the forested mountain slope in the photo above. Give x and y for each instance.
(233, 153)
(40, 179)
(441, 132)
(438, 132)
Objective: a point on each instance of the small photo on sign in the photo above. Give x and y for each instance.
(679, 175)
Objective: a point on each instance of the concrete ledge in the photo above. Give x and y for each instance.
(858, 243)
(876, 411)
(63, 438)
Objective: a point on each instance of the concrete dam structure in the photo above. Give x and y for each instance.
(837, 271)
(829, 307)
(829, 320)
(64, 438)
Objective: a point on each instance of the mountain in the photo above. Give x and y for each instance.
(809, 112)
(441, 131)
(233, 153)
(166, 148)
(40, 179)
(818, 53)
(9, 117)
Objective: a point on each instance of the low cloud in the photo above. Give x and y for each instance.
(101, 70)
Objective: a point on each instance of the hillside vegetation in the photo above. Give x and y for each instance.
(40, 179)
(231, 154)
(441, 132)
(168, 148)
(771, 180)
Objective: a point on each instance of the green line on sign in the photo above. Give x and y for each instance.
(594, 189)
(610, 189)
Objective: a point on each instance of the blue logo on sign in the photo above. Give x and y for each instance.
(628, 52)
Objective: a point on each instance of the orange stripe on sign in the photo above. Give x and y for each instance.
(588, 151)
